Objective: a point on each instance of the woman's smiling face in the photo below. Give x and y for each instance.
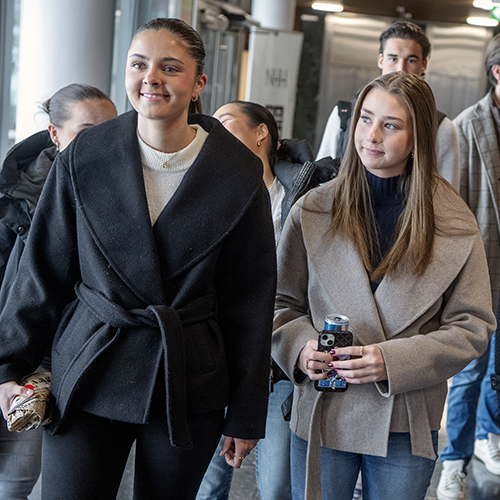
(161, 76)
(384, 134)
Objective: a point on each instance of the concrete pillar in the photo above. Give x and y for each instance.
(277, 14)
(61, 42)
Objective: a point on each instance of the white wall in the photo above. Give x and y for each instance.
(61, 42)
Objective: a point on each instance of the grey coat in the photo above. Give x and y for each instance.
(428, 327)
(479, 178)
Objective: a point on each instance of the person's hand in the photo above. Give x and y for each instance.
(8, 391)
(235, 450)
(367, 366)
(310, 360)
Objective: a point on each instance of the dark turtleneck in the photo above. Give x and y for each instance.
(388, 203)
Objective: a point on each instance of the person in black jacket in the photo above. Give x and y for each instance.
(24, 171)
(289, 170)
(151, 250)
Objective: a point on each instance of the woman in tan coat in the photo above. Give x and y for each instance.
(390, 245)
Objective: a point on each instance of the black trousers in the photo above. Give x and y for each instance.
(86, 459)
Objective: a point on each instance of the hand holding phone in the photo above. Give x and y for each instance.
(335, 334)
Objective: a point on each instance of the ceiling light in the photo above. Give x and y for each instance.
(482, 21)
(483, 4)
(309, 18)
(327, 7)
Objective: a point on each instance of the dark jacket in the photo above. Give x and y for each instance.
(191, 297)
(23, 175)
(298, 172)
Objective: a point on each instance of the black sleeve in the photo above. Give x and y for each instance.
(246, 286)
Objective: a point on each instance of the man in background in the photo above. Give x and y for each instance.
(473, 418)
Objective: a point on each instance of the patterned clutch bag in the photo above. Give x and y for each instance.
(30, 412)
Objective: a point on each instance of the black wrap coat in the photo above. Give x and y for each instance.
(189, 299)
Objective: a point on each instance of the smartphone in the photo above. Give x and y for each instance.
(327, 340)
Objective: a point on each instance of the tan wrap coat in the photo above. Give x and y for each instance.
(428, 327)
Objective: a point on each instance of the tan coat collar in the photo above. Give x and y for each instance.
(399, 300)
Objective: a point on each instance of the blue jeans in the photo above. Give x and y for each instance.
(272, 457)
(400, 475)
(472, 407)
(217, 480)
(20, 462)
(272, 454)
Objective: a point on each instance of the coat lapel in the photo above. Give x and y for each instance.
(402, 300)
(110, 186)
(485, 135)
(340, 272)
(399, 300)
(209, 202)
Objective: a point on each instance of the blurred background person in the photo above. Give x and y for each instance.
(289, 171)
(473, 416)
(24, 170)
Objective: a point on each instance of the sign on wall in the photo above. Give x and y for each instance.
(273, 69)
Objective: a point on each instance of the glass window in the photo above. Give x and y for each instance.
(9, 58)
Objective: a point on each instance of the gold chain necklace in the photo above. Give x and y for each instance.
(156, 151)
(163, 163)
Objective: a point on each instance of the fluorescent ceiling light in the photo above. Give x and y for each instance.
(483, 4)
(327, 7)
(482, 21)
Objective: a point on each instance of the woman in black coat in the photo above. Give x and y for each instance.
(150, 253)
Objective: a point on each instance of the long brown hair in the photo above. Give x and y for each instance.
(352, 213)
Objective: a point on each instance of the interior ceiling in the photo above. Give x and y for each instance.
(447, 11)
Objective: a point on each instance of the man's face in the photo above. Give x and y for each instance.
(401, 54)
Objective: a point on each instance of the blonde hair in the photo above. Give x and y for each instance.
(352, 212)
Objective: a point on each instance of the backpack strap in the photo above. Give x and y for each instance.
(345, 111)
(345, 114)
(441, 116)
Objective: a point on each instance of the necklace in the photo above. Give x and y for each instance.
(167, 156)
(171, 156)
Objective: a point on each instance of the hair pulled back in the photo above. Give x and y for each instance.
(257, 114)
(58, 107)
(191, 40)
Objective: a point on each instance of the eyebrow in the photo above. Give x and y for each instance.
(409, 55)
(163, 59)
(368, 112)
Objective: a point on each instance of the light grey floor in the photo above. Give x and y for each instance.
(481, 485)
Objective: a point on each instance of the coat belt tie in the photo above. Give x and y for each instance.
(170, 322)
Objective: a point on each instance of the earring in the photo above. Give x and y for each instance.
(412, 155)
(57, 147)
(258, 144)
(195, 98)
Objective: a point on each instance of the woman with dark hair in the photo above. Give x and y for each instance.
(289, 170)
(392, 247)
(150, 252)
(24, 171)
